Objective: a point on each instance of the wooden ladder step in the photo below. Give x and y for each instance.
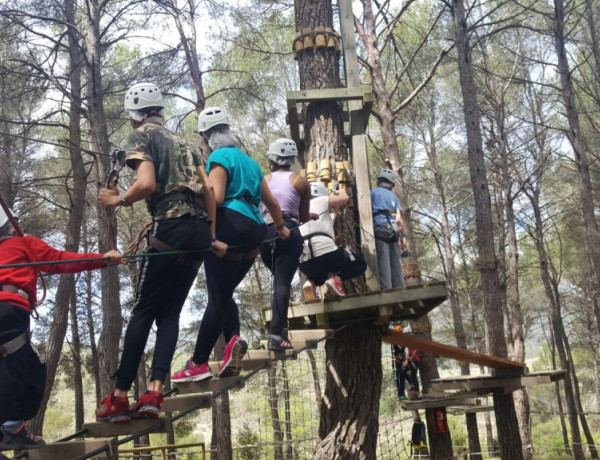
(296, 344)
(183, 402)
(272, 355)
(107, 429)
(71, 449)
(209, 386)
(311, 334)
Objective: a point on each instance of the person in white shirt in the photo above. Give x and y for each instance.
(322, 261)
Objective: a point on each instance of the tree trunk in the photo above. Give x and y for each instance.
(506, 420)
(66, 284)
(590, 224)
(275, 420)
(553, 296)
(348, 425)
(76, 350)
(350, 409)
(110, 335)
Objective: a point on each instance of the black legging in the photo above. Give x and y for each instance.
(223, 274)
(22, 374)
(281, 257)
(340, 262)
(163, 287)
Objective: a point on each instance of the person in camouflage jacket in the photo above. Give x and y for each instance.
(172, 180)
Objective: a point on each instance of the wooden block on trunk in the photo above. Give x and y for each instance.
(71, 449)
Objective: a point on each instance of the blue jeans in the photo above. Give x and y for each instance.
(390, 266)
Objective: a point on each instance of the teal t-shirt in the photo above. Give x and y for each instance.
(243, 181)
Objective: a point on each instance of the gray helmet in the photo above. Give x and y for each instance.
(212, 116)
(388, 175)
(318, 189)
(142, 96)
(283, 151)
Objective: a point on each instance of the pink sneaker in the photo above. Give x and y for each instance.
(335, 286)
(148, 406)
(234, 353)
(192, 373)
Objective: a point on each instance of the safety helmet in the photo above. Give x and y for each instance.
(398, 328)
(142, 96)
(283, 151)
(212, 116)
(388, 175)
(4, 217)
(318, 189)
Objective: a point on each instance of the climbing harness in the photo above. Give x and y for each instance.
(15, 344)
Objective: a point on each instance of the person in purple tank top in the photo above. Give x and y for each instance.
(282, 256)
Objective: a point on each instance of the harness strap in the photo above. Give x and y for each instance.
(16, 290)
(309, 237)
(13, 345)
(182, 259)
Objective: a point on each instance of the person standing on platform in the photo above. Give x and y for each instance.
(322, 261)
(389, 230)
(22, 373)
(239, 188)
(281, 257)
(406, 367)
(170, 177)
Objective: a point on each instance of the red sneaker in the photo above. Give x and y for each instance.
(192, 373)
(148, 406)
(113, 409)
(335, 286)
(234, 353)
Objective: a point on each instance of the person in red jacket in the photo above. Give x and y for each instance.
(22, 373)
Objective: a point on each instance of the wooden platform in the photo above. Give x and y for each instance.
(448, 400)
(449, 351)
(378, 307)
(484, 384)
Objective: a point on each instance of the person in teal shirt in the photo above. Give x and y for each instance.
(239, 188)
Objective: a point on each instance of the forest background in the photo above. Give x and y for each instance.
(64, 67)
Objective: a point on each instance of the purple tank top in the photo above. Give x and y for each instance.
(286, 194)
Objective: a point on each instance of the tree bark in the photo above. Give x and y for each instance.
(506, 420)
(110, 335)
(76, 351)
(66, 284)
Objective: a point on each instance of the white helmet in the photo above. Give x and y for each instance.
(4, 217)
(142, 96)
(212, 116)
(283, 151)
(318, 189)
(388, 175)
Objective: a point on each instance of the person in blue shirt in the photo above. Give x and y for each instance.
(239, 188)
(389, 231)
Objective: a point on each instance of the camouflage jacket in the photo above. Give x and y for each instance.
(178, 187)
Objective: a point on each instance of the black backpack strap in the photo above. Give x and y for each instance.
(309, 237)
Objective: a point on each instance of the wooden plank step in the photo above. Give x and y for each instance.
(296, 344)
(107, 429)
(184, 402)
(209, 386)
(426, 403)
(72, 449)
(272, 355)
(448, 351)
(311, 334)
(469, 410)
(487, 383)
(248, 364)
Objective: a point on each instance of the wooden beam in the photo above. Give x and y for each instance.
(359, 93)
(448, 351)
(296, 344)
(311, 334)
(71, 449)
(425, 403)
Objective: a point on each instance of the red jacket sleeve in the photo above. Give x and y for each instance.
(27, 249)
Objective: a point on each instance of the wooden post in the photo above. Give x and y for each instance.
(358, 150)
